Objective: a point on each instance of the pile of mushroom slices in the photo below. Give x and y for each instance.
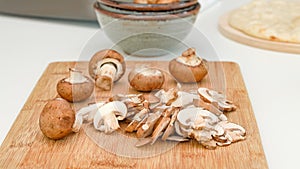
(170, 115)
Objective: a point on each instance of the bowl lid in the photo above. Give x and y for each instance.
(130, 5)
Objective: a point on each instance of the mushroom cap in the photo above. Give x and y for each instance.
(112, 56)
(187, 73)
(75, 92)
(56, 119)
(146, 79)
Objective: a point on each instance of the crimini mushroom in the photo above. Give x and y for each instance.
(76, 87)
(188, 67)
(216, 98)
(106, 66)
(144, 78)
(56, 119)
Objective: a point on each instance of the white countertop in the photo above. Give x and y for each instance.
(28, 45)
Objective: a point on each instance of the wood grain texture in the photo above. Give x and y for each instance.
(239, 36)
(26, 147)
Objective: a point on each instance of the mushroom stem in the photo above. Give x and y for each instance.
(75, 76)
(191, 52)
(105, 76)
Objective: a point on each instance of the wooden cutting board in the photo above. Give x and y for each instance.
(238, 36)
(26, 147)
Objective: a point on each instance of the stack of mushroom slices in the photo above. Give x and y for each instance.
(171, 115)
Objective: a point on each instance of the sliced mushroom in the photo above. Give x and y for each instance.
(201, 135)
(139, 117)
(143, 141)
(106, 66)
(170, 128)
(86, 114)
(107, 116)
(167, 97)
(163, 123)
(158, 131)
(217, 98)
(188, 67)
(211, 144)
(196, 118)
(184, 99)
(76, 87)
(234, 131)
(147, 128)
(177, 138)
(131, 100)
(146, 79)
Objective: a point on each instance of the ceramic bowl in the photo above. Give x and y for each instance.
(151, 34)
(130, 5)
(113, 9)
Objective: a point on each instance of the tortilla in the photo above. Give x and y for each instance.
(275, 20)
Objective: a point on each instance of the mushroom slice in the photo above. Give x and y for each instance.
(137, 118)
(85, 114)
(167, 97)
(178, 129)
(158, 131)
(211, 144)
(232, 127)
(201, 135)
(224, 140)
(184, 99)
(143, 141)
(162, 123)
(196, 118)
(107, 116)
(131, 100)
(207, 106)
(170, 128)
(177, 138)
(147, 128)
(217, 98)
(218, 131)
(233, 131)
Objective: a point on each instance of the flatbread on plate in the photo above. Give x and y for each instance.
(275, 20)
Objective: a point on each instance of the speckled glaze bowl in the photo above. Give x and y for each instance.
(146, 33)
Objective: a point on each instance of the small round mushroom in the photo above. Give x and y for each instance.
(76, 87)
(106, 66)
(188, 67)
(56, 119)
(146, 79)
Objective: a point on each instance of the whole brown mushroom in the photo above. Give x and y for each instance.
(188, 67)
(76, 87)
(143, 78)
(56, 119)
(106, 66)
